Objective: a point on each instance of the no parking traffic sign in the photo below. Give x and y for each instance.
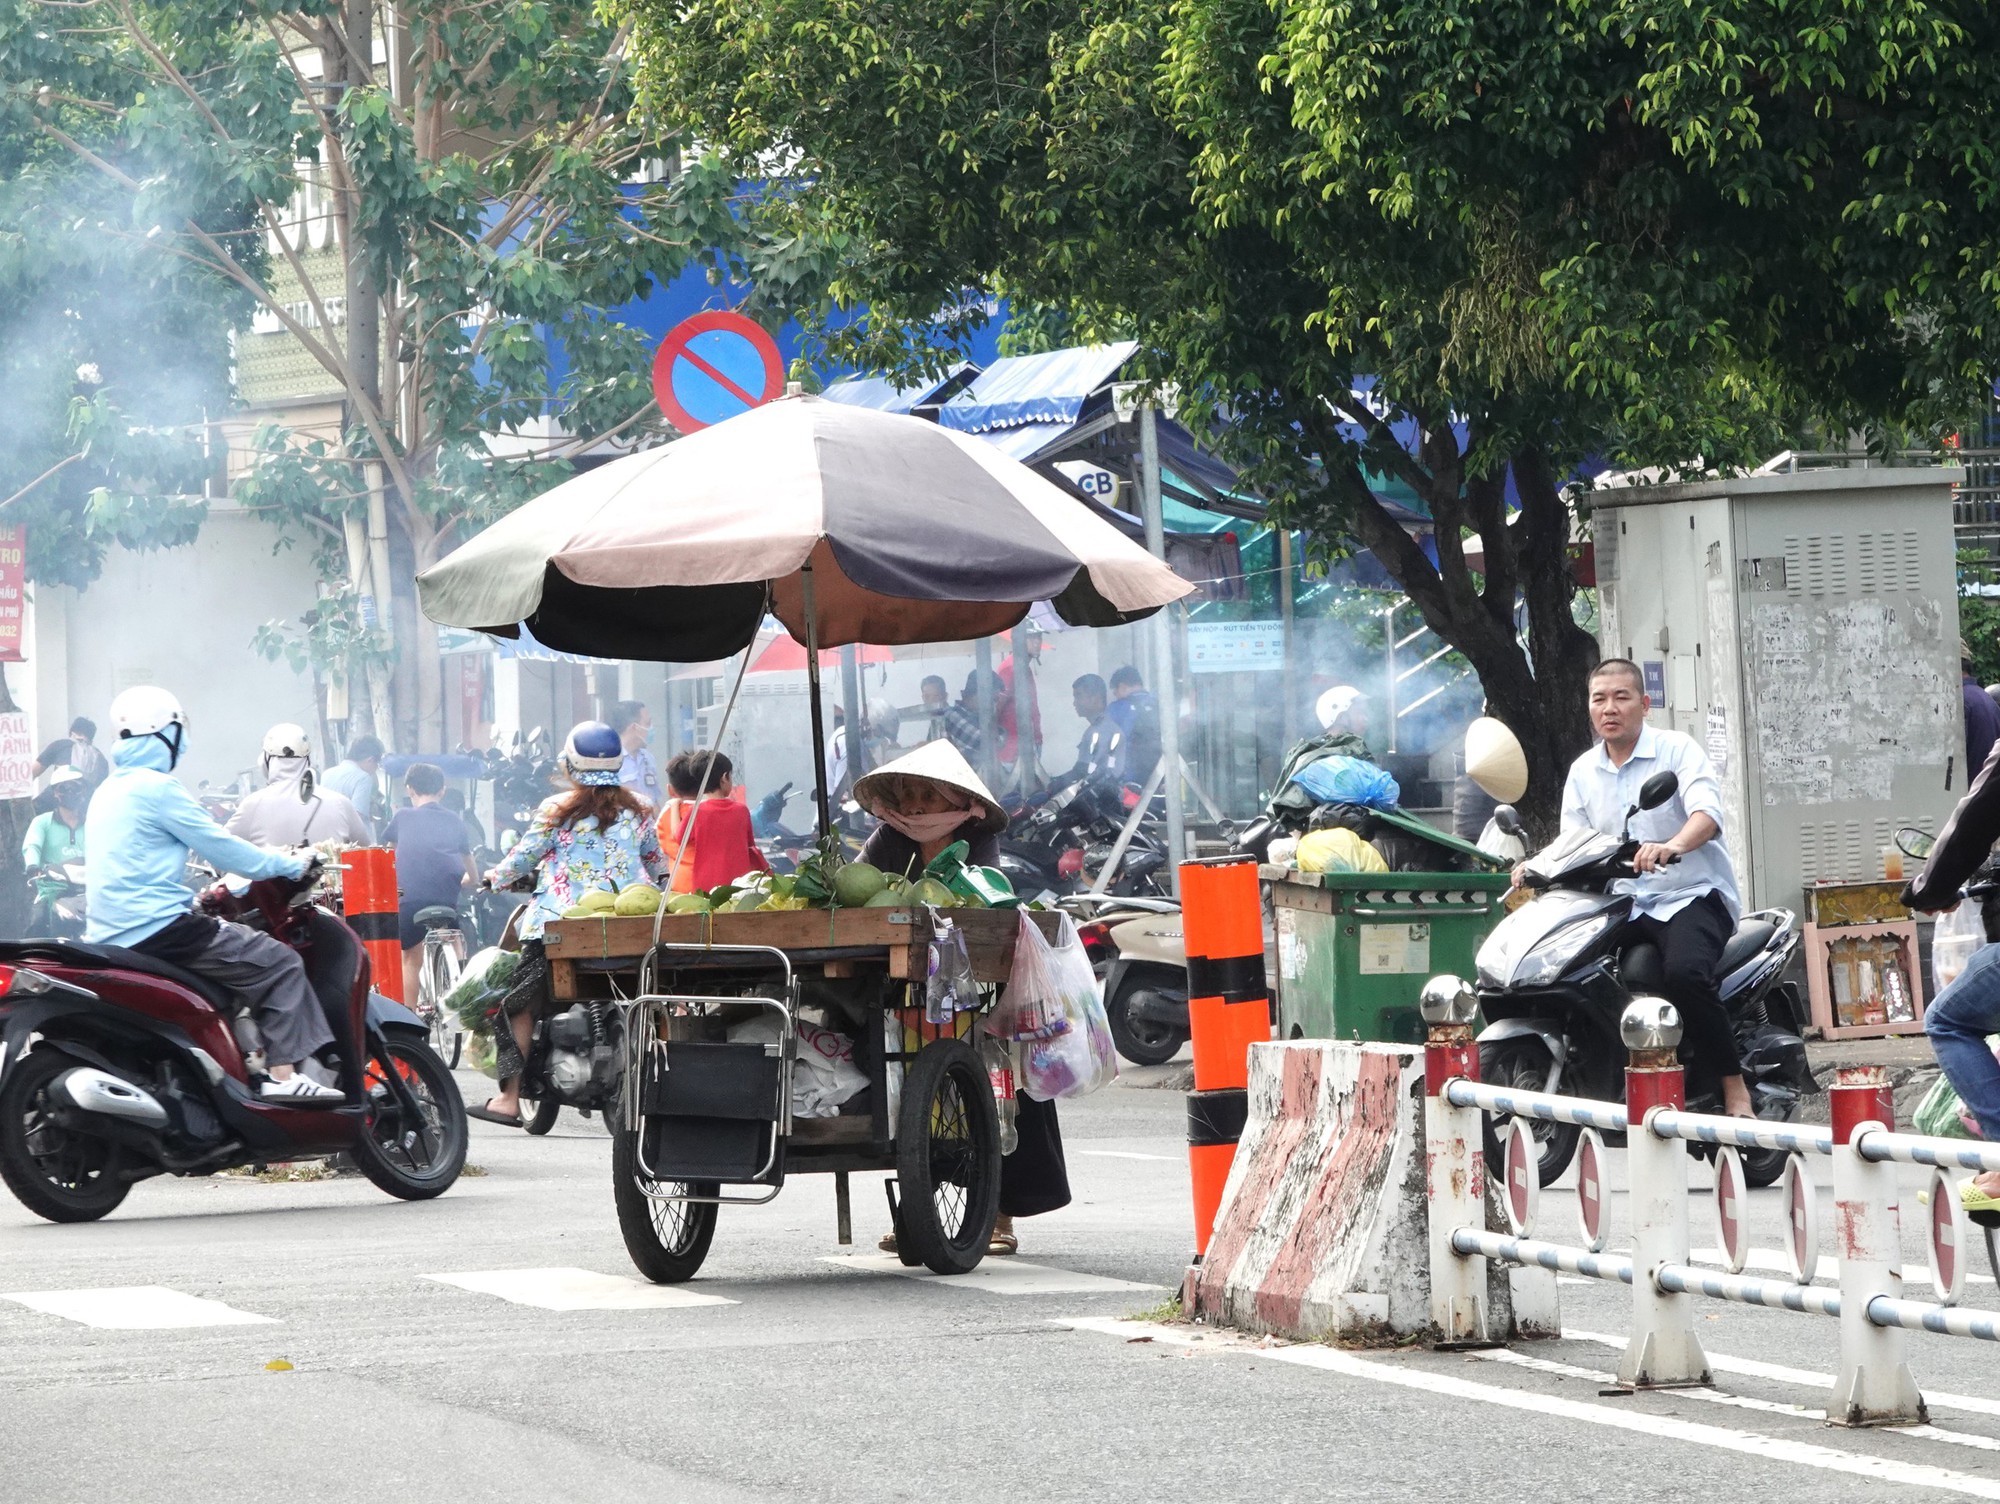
(713, 366)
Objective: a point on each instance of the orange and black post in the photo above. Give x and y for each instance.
(368, 901)
(1229, 1009)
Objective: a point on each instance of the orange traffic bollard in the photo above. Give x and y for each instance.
(368, 899)
(1229, 1009)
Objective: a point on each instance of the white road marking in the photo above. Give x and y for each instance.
(1750, 1368)
(1645, 1423)
(1735, 1401)
(1001, 1276)
(1165, 1159)
(136, 1308)
(578, 1290)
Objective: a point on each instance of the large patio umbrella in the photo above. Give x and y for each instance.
(850, 525)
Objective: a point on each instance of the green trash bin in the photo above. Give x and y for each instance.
(1355, 948)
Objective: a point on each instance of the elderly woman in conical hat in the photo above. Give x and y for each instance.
(927, 799)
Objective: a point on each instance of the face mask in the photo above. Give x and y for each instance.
(923, 829)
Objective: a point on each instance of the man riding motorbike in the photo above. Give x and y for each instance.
(54, 840)
(1684, 897)
(1960, 1017)
(141, 827)
(276, 816)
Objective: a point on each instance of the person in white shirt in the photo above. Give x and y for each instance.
(1685, 898)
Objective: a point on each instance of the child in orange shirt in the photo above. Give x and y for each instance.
(726, 847)
(683, 789)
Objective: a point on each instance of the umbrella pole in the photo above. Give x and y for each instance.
(812, 695)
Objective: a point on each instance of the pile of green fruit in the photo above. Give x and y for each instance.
(823, 881)
(632, 901)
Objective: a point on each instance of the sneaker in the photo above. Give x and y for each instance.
(301, 1088)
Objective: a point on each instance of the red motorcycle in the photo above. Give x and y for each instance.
(115, 1067)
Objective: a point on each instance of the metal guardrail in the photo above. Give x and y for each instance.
(1868, 1299)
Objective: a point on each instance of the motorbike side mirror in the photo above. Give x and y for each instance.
(1509, 820)
(307, 783)
(1658, 789)
(1915, 843)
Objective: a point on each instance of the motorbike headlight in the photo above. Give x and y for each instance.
(1549, 960)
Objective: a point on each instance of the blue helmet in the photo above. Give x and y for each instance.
(593, 754)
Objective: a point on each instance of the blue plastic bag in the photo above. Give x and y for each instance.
(1349, 780)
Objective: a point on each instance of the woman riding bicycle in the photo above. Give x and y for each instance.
(598, 835)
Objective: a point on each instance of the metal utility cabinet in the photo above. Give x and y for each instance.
(1803, 628)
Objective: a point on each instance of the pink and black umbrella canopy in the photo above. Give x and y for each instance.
(912, 533)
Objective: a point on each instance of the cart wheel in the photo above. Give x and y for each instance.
(947, 1159)
(667, 1239)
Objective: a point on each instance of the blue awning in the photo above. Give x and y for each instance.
(1024, 389)
(883, 394)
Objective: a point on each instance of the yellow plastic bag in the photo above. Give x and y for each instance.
(1338, 851)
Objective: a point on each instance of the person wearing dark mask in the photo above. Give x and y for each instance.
(927, 800)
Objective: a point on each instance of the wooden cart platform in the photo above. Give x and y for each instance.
(836, 942)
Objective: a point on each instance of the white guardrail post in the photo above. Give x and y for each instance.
(1875, 1387)
(1454, 1163)
(1663, 1351)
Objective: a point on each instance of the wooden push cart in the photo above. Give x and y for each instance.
(707, 1120)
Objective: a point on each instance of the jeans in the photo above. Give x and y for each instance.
(1959, 1019)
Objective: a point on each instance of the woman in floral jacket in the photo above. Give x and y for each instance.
(598, 835)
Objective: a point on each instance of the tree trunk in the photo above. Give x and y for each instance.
(1540, 690)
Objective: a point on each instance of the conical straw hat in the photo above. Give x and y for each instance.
(940, 762)
(1494, 759)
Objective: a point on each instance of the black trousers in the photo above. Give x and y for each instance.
(1690, 946)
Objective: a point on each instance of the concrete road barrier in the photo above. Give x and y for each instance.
(1323, 1226)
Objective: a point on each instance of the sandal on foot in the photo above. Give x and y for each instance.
(1982, 1206)
(1003, 1243)
(888, 1243)
(486, 1114)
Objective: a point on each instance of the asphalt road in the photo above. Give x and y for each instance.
(799, 1377)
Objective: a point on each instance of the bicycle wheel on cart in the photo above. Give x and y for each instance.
(947, 1159)
(667, 1239)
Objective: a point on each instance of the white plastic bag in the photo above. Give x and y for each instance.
(824, 1074)
(1081, 1057)
(1958, 933)
(1030, 1005)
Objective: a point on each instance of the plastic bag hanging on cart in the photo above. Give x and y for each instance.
(1031, 1005)
(1082, 1057)
(950, 988)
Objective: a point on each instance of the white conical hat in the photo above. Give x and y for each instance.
(1494, 759)
(940, 762)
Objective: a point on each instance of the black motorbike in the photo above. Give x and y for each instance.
(1063, 843)
(1556, 974)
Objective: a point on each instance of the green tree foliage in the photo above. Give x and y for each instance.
(492, 193)
(1465, 246)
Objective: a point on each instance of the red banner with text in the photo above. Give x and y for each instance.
(13, 581)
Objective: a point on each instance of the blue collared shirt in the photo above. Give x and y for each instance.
(1598, 794)
(641, 774)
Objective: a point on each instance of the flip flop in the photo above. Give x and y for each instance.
(486, 1114)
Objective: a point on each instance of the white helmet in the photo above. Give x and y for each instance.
(1335, 703)
(148, 710)
(287, 740)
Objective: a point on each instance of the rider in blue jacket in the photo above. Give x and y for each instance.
(141, 826)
